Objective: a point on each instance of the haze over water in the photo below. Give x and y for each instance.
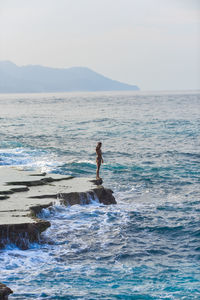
(145, 247)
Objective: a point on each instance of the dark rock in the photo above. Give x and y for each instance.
(20, 189)
(37, 209)
(3, 197)
(42, 181)
(105, 196)
(75, 198)
(4, 291)
(22, 234)
(97, 181)
(39, 174)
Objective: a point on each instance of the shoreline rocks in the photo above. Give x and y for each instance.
(4, 291)
(24, 194)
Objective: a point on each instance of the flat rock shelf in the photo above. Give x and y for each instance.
(23, 194)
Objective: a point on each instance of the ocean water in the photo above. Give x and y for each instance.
(145, 247)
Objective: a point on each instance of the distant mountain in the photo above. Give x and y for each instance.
(35, 79)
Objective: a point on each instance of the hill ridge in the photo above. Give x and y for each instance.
(38, 78)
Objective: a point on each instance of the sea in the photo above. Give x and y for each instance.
(147, 246)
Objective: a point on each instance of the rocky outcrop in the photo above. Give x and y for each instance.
(105, 196)
(22, 234)
(24, 194)
(101, 194)
(4, 291)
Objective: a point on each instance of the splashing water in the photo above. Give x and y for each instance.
(146, 246)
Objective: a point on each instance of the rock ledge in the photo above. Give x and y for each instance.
(24, 194)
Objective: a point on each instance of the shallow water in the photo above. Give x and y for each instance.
(145, 247)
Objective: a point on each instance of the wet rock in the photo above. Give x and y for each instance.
(22, 234)
(97, 181)
(4, 291)
(27, 193)
(105, 196)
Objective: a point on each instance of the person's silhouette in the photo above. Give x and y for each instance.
(99, 158)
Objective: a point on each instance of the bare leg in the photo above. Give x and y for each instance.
(97, 171)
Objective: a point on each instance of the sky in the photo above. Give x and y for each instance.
(154, 44)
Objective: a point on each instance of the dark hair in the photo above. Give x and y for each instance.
(98, 145)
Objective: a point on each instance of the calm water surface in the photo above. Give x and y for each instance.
(145, 247)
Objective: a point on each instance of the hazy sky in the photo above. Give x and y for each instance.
(152, 43)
